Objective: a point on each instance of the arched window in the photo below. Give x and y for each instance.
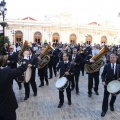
(89, 39)
(18, 36)
(103, 39)
(55, 38)
(37, 37)
(73, 38)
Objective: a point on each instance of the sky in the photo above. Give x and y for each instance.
(85, 10)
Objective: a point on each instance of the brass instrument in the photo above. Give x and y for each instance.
(99, 62)
(24, 47)
(63, 51)
(43, 58)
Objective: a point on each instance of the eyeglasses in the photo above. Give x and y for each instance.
(11, 48)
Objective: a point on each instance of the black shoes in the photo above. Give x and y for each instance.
(41, 85)
(97, 93)
(77, 92)
(72, 89)
(47, 83)
(50, 78)
(60, 105)
(69, 103)
(103, 114)
(89, 95)
(26, 98)
(35, 94)
(112, 108)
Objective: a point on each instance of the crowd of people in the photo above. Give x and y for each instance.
(65, 60)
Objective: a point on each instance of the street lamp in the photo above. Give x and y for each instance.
(3, 13)
(50, 33)
(13, 33)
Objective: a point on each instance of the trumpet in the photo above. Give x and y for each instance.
(63, 51)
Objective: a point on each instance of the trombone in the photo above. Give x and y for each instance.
(63, 51)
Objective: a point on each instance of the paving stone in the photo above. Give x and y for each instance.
(44, 105)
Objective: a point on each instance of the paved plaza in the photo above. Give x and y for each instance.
(44, 105)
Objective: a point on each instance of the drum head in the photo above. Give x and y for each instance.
(61, 82)
(113, 86)
(28, 74)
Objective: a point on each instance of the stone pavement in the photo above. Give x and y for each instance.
(44, 105)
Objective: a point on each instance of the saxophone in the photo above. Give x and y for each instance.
(99, 62)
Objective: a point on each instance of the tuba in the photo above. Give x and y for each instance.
(24, 47)
(99, 62)
(44, 58)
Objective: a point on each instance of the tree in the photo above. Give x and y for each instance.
(1, 43)
(4, 24)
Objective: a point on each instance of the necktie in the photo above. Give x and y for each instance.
(113, 68)
(29, 57)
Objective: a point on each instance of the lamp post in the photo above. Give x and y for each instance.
(13, 34)
(49, 33)
(3, 13)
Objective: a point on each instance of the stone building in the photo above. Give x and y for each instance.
(61, 28)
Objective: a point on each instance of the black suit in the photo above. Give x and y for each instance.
(8, 102)
(43, 74)
(91, 76)
(5, 51)
(78, 61)
(63, 68)
(108, 76)
(34, 62)
(13, 58)
(53, 62)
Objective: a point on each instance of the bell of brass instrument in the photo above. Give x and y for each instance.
(44, 58)
(99, 62)
(24, 47)
(63, 51)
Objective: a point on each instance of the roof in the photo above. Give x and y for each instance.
(28, 18)
(94, 23)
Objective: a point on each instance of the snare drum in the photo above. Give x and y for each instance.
(62, 83)
(113, 86)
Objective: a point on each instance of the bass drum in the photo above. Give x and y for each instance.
(113, 86)
(27, 75)
(62, 83)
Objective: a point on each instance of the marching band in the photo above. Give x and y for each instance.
(67, 61)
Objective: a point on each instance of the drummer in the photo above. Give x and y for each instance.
(110, 73)
(66, 69)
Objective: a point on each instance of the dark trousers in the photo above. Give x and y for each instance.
(82, 68)
(52, 68)
(105, 100)
(61, 95)
(33, 85)
(92, 76)
(43, 75)
(75, 82)
(11, 116)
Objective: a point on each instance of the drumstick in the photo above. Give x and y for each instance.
(66, 71)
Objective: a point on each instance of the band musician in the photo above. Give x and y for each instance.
(67, 69)
(110, 73)
(91, 76)
(8, 102)
(12, 62)
(76, 60)
(33, 63)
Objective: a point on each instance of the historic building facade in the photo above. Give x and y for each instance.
(42, 31)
